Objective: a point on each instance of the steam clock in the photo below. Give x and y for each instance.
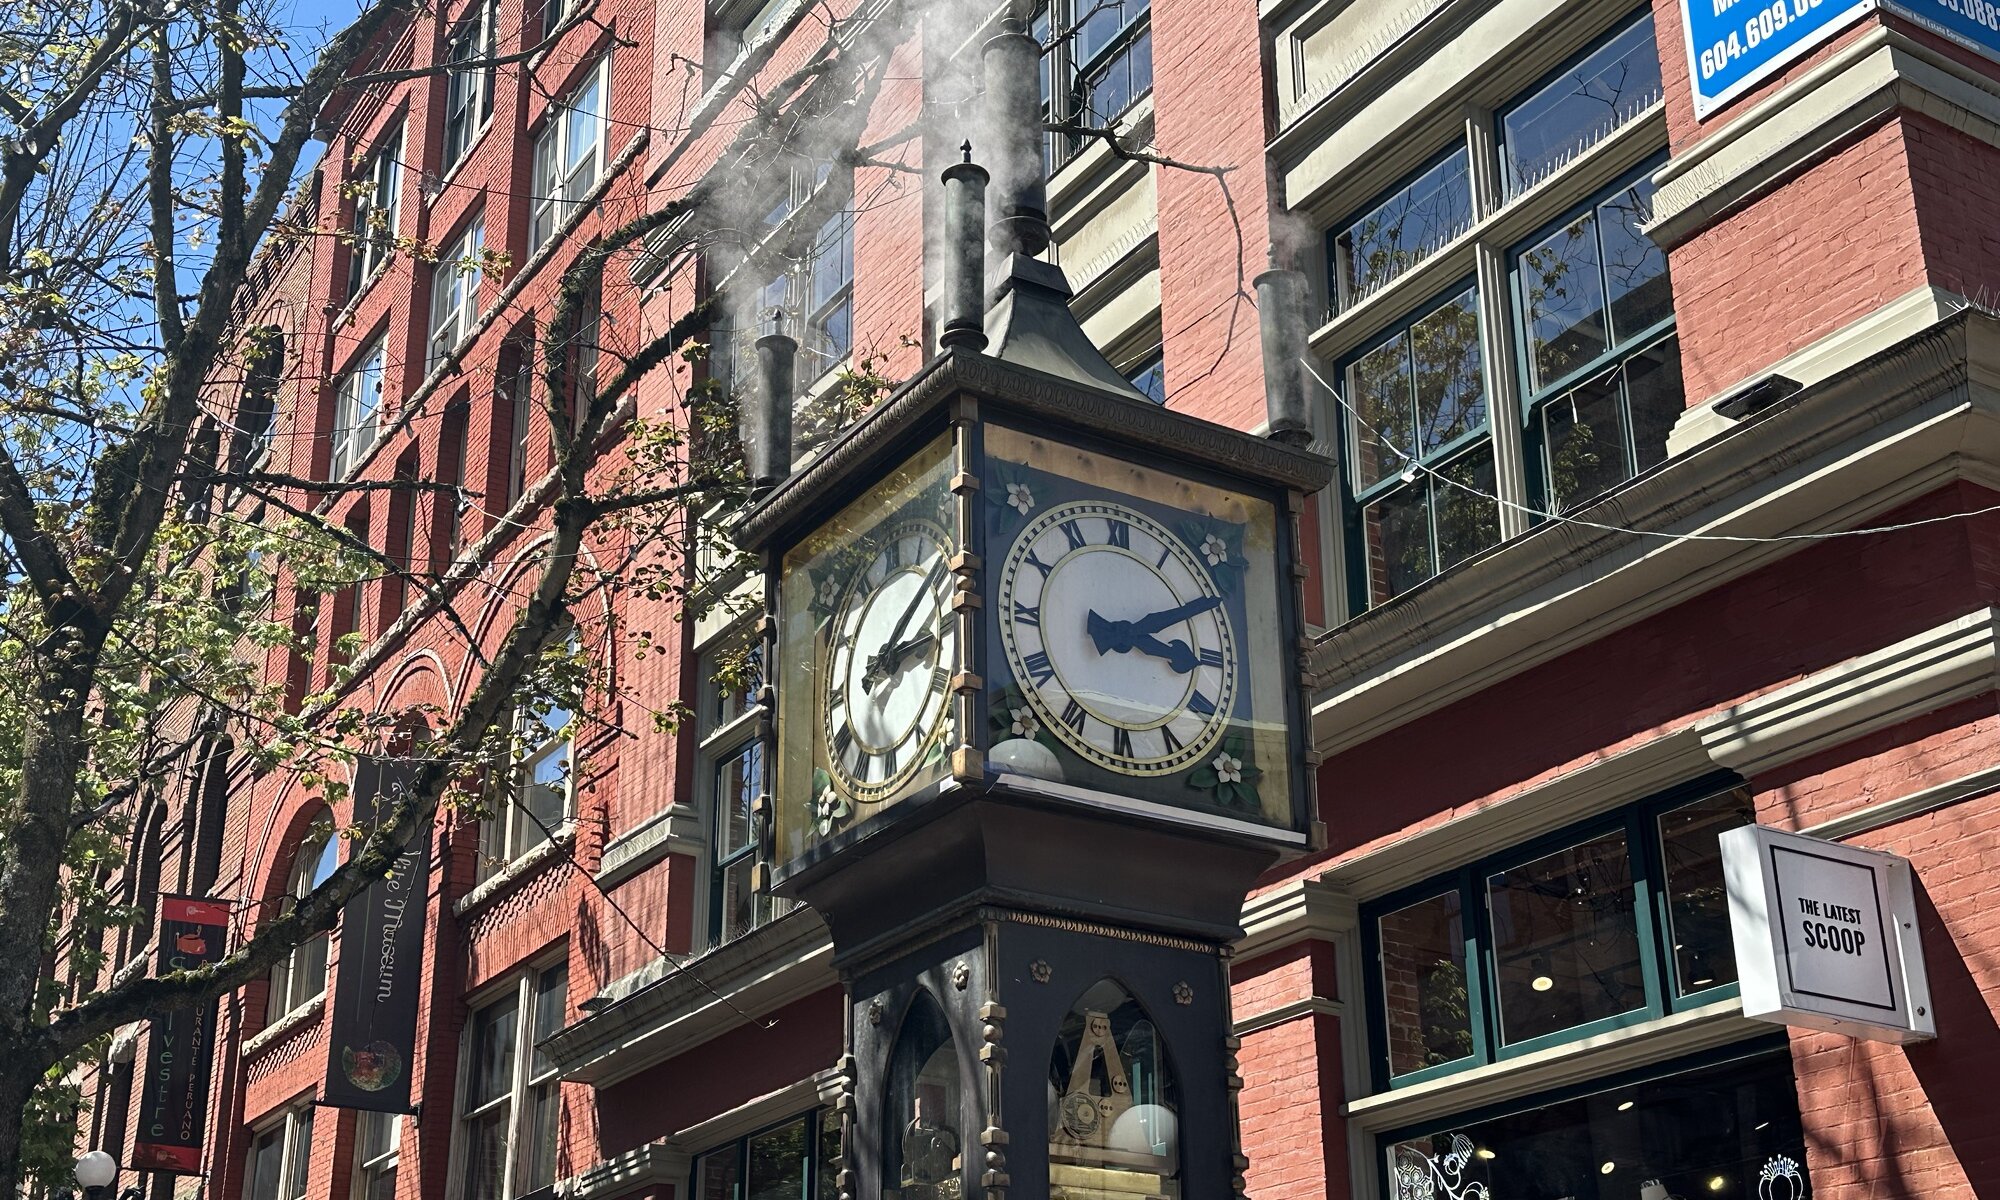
(1038, 728)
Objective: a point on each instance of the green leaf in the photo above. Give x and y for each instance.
(1204, 777)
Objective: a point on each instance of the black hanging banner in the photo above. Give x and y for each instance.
(173, 1099)
(375, 988)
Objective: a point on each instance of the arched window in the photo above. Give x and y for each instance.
(1114, 1114)
(300, 976)
(923, 1152)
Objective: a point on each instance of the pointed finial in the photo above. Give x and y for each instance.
(965, 147)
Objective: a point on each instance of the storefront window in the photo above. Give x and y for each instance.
(923, 1156)
(792, 1161)
(1114, 1128)
(1424, 984)
(1723, 1132)
(1566, 939)
(1697, 901)
(1617, 921)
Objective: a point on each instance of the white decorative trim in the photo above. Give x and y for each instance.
(1580, 1061)
(293, 1021)
(678, 829)
(821, 1087)
(517, 872)
(656, 1163)
(1293, 912)
(1919, 674)
(1292, 1011)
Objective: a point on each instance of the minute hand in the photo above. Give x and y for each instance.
(1173, 616)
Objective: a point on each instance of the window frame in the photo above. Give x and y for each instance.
(373, 247)
(719, 741)
(1613, 357)
(389, 1162)
(293, 1126)
(285, 975)
(519, 834)
(555, 189)
(1512, 188)
(348, 445)
(455, 288)
(522, 987)
(1063, 74)
(1639, 822)
(465, 119)
(1342, 295)
(820, 1121)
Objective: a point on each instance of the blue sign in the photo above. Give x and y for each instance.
(1734, 44)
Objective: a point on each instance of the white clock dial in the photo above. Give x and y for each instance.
(892, 649)
(1116, 634)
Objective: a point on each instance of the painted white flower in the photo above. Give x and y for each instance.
(829, 591)
(1024, 722)
(828, 807)
(1020, 498)
(1215, 550)
(1228, 769)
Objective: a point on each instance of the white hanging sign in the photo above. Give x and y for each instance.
(1826, 935)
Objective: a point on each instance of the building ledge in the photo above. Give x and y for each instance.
(303, 1017)
(677, 829)
(698, 999)
(518, 872)
(667, 1160)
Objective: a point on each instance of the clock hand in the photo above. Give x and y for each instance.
(1160, 620)
(1119, 637)
(1177, 653)
(890, 660)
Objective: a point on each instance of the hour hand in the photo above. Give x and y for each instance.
(885, 662)
(1177, 653)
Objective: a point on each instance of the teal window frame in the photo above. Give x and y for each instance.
(1437, 459)
(1774, 1045)
(819, 1123)
(1623, 350)
(1640, 823)
(1511, 186)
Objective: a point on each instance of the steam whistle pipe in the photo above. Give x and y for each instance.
(964, 254)
(1014, 139)
(767, 420)
(1281, 316)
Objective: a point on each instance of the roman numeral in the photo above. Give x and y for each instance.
(892, 554)
(1165, 554)
(1027, 614)
(843, 738)
(1039, 668)
(1211, 658)
(940, 679)
(1039, 565)
(1199, 703)
(1121, 742)
(1172, 743)
(888, 762)
(1073, 534)
(1118, 534)
(1073, 715)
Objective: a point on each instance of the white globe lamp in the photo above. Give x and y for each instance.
(96, 1169)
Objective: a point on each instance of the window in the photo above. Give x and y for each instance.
(357, 409)
(535, 805)
(281, 1157)
(300, 976)
(513, 1100)
(799, 1159)
(378, 1145)
(455, 291)
(1098, 59)
(1591, 384)
(1596, 312)
(376, 191)
(818, 284)
(468, 90)
(1115, 1125)
(1149, 375)
(1620, 920)
(732, 762)
(569, 153)
(1580, 105)
(1415, 220)
(1419, 461)
(1726, 1128)
(264, 361)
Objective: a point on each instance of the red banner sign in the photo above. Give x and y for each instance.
(173, 1098)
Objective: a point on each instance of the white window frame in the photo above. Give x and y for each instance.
(304, 965)
(718, 742)
(294, 1129)
(368, 1169)
(523, 1088)
(566, 166)
(510, 833)
(468, 94)
(357, 409)
(455, 291)
(376, 207)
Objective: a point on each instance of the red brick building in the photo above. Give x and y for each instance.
(1614, 391)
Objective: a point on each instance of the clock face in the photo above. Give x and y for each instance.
(888, 674)
(1118, 637)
